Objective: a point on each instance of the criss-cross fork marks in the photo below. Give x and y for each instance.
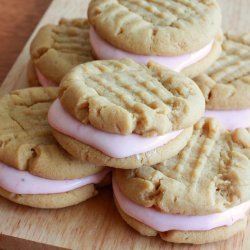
(122, 17)
(234, 63)
(126, 86)
(209, 175)
(192, 163)
(150, 99)
(206, 167)
(166, 13)
(73, 38)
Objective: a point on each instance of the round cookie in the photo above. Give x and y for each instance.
(161, 30)
(156, 27)
(203, 191)
(28, 151)
(123, 97)
(226, 84)
(120, 99)
(56, 49)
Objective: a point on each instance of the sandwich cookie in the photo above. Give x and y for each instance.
(123, 114)
(226, 85)
(56, 49)
(180, 35)
(34, 170)
(199, 196)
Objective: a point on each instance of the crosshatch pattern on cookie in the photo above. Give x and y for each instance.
(229, 77)
(166, 13)
(208, 176)
(124, 97)
(56, 49)
(69, 36)
(142, 26)
(72, 37)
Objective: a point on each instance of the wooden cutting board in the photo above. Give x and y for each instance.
(94, 224)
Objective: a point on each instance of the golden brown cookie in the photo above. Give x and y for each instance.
(210, 175)
(184, 36)
(156, 27)
(27, 145)
(226, 84)
(130, 107)
(123, 97)
(58, 48)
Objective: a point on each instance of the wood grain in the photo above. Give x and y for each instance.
(17, 21)
(94, 224)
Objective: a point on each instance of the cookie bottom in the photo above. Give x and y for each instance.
(52, 201)
(187, 237)
(199, 67)
(84, 152)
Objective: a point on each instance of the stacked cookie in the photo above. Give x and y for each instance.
(180, 35)
(136, 111)
(113, 112)
(34, 169)
(199, 196)
(123, 114)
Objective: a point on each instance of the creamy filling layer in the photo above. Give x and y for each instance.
(163, 222)
(231, 119)
(45, 82)
(22, 182)
(104, 51)
(113, 145)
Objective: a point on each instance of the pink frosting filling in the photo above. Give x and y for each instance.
(104, 50)
(45, 82)
(114, 145)
(163, 222)
(231, 119)
(22, 182)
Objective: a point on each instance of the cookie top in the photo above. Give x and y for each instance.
(226, 85)
(26, 141)
(208, 176)
(156, 27)
(58, 48)
(123, 97)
